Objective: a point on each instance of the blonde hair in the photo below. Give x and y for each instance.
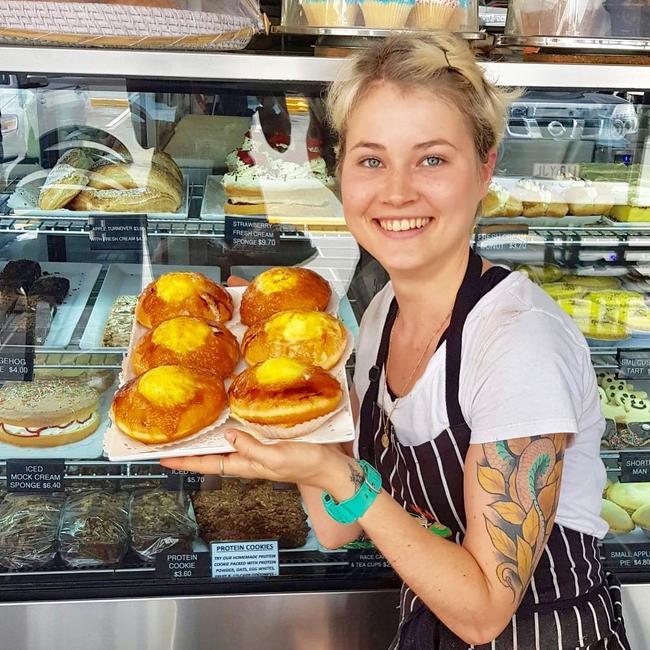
(438, 61)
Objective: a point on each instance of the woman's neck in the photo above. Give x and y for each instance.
(425, 298)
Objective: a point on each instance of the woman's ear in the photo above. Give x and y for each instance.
(487, 169)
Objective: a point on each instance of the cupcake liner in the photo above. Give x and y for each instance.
(385, 15)
(432, 15)
(330, 13)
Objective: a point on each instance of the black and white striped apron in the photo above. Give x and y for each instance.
(570, 603)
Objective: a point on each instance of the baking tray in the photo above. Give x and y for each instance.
(214, 199)
(128, 280)
(309, 30)
(29, 187)
(339, 427)
(89, 448)
(82, 280)
(579, 43)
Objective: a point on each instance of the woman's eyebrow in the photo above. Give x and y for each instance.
(433, 143)
(367, 145)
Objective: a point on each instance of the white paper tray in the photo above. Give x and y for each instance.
(21, 202)
(119, 447)
(82, 279)
(89, 448)
(127, 280)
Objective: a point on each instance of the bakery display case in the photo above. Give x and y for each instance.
(222, 165)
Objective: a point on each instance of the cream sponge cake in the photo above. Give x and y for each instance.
(47, 413)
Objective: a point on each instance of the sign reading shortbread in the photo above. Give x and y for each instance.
(635, 467)
(245, 559)
(251, 233)
(122, 232)
(42, 476)
(16, 363)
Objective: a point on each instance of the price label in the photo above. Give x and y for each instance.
(245, 559)
(42, 476)
(555, 170)
(634, 364)
(182, 566)
(16, 363)
(502, 238)
(627, 557)
(120, 232)
(635, 467)
(367, 561)
(178, 479)
(251, 233)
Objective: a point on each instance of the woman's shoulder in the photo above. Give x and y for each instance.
(375, 313)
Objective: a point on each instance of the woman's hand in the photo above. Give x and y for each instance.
(320, 466)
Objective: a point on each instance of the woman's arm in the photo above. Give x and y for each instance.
(511, 493)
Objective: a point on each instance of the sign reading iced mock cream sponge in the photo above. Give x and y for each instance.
(42, 476)
(245, 559)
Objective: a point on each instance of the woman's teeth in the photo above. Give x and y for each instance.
(397, 225)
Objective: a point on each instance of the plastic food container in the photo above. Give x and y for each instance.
(149, 24)
(451, 15)
(577, 18)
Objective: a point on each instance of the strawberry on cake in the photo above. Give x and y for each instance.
(279, 180)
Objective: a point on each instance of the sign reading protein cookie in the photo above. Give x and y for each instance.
(251, 233)
(117, 232)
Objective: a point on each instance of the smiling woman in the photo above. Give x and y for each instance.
(476, 469)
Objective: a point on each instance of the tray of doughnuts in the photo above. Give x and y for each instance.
(268, 358)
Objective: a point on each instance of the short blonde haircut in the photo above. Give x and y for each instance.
(438, 61)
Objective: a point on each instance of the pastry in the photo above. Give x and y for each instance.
(47, 413)
(559, 290)
(610, 410)
(636, 317)
(585, 198)
(386, 14)
(62, 184)
(128, 177)
(94, 529)
(29, 525)
(281, 289)
(168, 403)
(310, 336)
(593, 281)
(582, 309)
(183, 294)
(251, 510)
(20, 273)
(537, 200)
(159, 521)
(636, 410)
(283, 392)
(141, 199)
(498, 202)
(629, 496)
(163, 159)
(602, 330)
(100, 379)
(330, 13)
(629, 213)
(436, 14)
(190, 342)
(541, 274)
(616, 298)
(117, 331)
(51, 289)
(618, 520)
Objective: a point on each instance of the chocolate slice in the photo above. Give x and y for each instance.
(49, 288)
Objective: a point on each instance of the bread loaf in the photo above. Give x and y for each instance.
(141, 199)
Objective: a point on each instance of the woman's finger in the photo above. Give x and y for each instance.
(236, 281)
(210, 464)
(251, 447)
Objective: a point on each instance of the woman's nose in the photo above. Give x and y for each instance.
(399, 188)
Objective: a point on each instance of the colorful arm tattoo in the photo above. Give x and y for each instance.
(523, 477)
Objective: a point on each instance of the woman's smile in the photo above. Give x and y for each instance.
(402, 227)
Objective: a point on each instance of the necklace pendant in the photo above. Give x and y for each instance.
(385, 440)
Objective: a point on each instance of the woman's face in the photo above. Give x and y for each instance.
(410, 178)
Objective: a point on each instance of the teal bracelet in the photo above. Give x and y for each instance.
(348, 511)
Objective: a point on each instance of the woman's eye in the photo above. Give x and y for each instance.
(432, 161)
(372, 163)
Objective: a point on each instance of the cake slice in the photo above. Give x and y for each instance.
(49, 288)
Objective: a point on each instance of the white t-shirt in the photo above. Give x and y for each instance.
(525, 371)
